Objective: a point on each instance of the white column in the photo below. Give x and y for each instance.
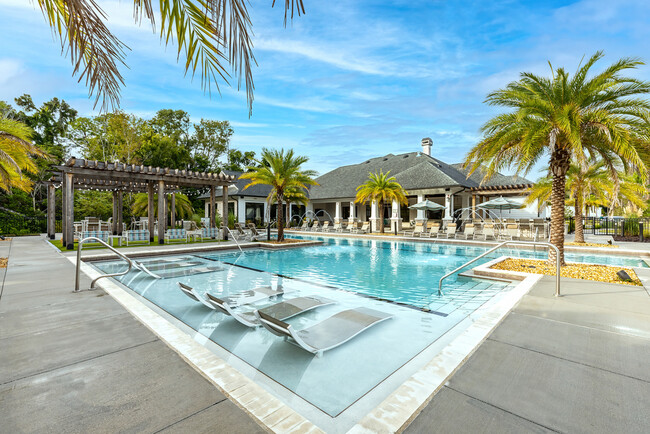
(449, 203)
(338, 212)
(374, 216)
(421, 213)
(207, 209)
(466, 209)
(353, 214)
(241, 210)
(396, 216)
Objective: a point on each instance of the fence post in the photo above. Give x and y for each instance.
(640, 231)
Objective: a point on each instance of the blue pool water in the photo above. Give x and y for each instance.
(398, 278)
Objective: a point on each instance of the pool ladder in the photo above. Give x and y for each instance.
(92, 284)
(530, 243)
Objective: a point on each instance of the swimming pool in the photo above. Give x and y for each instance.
(398, 278)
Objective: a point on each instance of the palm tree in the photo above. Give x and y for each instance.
(383, 189)
(291, 195)
(213, 37)
(16, 153)
(183, 205)
(283, 172)
(569, 118)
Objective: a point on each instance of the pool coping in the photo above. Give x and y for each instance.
(615, 251)
(393, 414)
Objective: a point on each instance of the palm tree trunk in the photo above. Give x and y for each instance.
(280, 219)
(381, 216)
(559, 165)
(579, 230)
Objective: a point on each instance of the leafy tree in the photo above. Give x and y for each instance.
(239, 161)
(162, 151)
(209, 142)
(567, 118)
(16, 152)
(283, 172)
(182, 202)
(383, 189)
(108, 137)
(212, 38)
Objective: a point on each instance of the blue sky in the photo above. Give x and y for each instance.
(350, 79)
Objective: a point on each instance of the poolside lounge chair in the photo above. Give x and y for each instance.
(176, 235)
(141, 267)
(240, 234)
(511, 232)
(449, 231)
(432, 232)
(136, 236)
(417, 230)
(326, 226)
(468, 231)
(304, 227)
(337, 227)
(255, 234)
(488, 231)
(237, 299)
(315, 227)
(363, 229)
(283, 310)
(327, 334)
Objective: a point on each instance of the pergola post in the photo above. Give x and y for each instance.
(173, 210)
(224, 207)
(162, 213)
(63, 211)
(51, 211)
(473, 216)
(150, 211)
(120, 197)
(69, 208)
(213, 211)
(114, 224)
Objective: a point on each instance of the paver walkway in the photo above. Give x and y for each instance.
(81, 363)
(579, 363)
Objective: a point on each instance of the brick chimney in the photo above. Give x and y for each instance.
(427, 143)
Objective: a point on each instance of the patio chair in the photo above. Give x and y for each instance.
(102, 235)
(304, 227)
(237, 299)
(510, 233)
(362, 230)
(417, 230)
(176, 235)
(315, 227)
(327, 334)
(283, 310)
(449, 232)
(210, 233)
(240, 233)
(141, 267)
(488, 231)
(255, 234)
(326, 226)
(337, 227)
(137, 236)
(468, 231)
(432, 232)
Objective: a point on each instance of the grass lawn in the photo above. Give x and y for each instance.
(57, 244)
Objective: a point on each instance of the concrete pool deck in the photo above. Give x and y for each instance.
(75, 362)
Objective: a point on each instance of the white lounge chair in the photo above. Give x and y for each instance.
(449, 232)
(417, 230)
(283, 310)
(432, 232)
(468, 231)
(363, 229)
(237, 299)
(327, 334)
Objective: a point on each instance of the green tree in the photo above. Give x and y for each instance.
(209, 142)
(162, 151)
(239, 161)
(567, 118)
(283, 172)
(212, 38)
(383, 189)
(16, 155)
(108, 137)
(183, 205)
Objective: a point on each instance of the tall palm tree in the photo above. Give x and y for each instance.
(283, 172)
(182, 203)
(383, 189)
(213, 37)
(16, 152)
(291, 195)
(552, 116)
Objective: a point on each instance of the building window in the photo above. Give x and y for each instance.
(255, 213)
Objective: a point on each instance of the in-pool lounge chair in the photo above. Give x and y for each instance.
(327, 334)
(283, 310)
(234, 300)
(140, 266)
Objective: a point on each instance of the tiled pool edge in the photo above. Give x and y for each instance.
(399, 409)
(392, 415)
(264, 408)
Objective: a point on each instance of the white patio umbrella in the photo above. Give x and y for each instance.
(427, 205)
(501, 203)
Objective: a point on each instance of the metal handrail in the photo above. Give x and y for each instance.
(233, 237)
(532, 243)
(92, 284)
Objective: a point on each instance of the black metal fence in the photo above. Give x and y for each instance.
(16, 224)
(621, 227)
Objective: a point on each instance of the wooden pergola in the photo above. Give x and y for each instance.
(80, 174)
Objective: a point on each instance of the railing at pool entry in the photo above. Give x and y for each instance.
(92, 284)
(529, 243)
(233, 237)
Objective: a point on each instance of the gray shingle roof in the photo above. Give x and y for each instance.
(413, 170)
(497, 179)
(254, 191)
